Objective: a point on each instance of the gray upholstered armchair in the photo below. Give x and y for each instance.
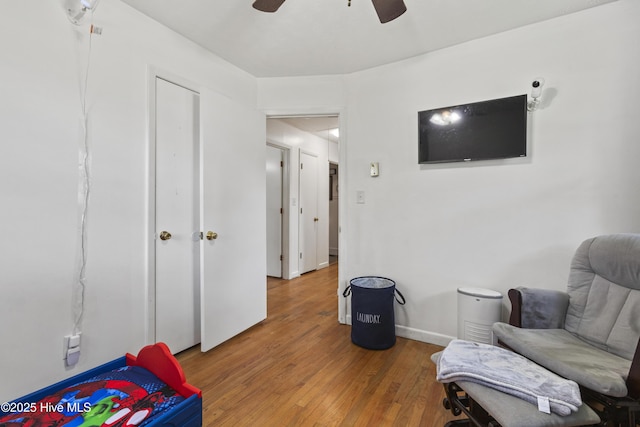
(591, 333)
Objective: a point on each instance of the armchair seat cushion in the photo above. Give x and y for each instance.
(568, 356)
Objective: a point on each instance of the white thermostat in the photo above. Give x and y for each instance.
(375, 169)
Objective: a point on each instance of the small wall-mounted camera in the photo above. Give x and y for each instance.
(536, 93)
(537, 88)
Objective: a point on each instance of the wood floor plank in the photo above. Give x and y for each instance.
(299, 368)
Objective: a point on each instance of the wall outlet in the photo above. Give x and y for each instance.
(74, 340)
(73, 355)
(70, 342)
(71, 349)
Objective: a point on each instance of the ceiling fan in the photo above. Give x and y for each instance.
(387, 10)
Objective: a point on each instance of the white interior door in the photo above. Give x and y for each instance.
(234, 289)
(308, 212)
(177, 249)
(274, 211)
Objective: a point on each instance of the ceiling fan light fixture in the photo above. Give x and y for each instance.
(388, 10)
(267, 5)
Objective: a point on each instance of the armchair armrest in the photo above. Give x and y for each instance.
(538, 308)
(633, 380)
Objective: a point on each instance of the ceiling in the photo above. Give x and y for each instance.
(319, 37)
(322, 126)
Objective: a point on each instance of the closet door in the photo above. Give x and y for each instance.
(233, 286)
(308, 212)
(177, 210)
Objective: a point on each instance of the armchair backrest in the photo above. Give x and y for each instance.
(604, 293)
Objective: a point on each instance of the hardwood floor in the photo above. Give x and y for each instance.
(299, 368)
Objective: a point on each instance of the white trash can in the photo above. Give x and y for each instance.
(478, 310)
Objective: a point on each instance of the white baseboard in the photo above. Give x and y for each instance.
(418, 334)
(293, 275)
(423, 336)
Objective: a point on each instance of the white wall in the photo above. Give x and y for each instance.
(293, 140)
(44, 58)
(495, 224)
(300, 95)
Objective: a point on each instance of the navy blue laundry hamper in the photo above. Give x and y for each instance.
(373, 323)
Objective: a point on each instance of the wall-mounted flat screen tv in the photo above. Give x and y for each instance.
(494, 129)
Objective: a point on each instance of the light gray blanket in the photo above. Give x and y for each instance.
(508, 372)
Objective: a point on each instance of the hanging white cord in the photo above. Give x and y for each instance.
(83, 194)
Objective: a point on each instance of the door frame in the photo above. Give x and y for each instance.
(341, 112)
(337, 199)
(154, 73)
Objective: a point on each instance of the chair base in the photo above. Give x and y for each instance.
(486, 407)
(458, 402)
(614, 412)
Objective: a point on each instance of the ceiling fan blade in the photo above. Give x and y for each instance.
(388, 10)
(267, 5)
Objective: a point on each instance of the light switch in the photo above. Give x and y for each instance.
(360, 197)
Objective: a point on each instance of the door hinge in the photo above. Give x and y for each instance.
(281, 257)
(301, 166)
(281, 164)
(300, 255)
(300, 210)
(281, 211)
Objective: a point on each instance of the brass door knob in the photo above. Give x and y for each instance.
(212, 235)
(165, 235)
(315, 219)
